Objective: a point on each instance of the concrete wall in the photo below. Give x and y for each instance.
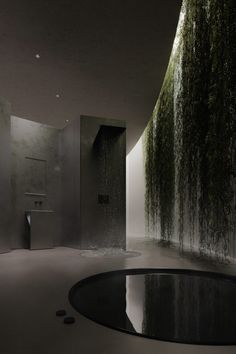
(70, 157)
(45, 168)
(35, 176)
(102, 202)
(5, 190)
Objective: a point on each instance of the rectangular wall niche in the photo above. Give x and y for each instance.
(102, 200)
(36, 172)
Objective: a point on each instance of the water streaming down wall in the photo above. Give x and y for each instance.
(102, 200)
(93, 154)
(190, 141)
(109, 154)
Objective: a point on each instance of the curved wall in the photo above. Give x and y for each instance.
(190, 140)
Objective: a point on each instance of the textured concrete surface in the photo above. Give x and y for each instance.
(5, 189)
(36, 169)
(70, 157)
(34, 284)
(103, 165)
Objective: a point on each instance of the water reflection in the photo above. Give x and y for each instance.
(187, 307)
(135, 296)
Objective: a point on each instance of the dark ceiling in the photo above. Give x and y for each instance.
(102, 57)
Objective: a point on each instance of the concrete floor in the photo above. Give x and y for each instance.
(34, 284)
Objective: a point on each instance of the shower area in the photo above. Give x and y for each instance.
(62, 187)
(94, 185)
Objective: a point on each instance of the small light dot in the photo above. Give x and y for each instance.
(37, 56)
(57, 95)
(67, 120)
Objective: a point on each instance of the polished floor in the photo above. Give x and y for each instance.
(35, 284)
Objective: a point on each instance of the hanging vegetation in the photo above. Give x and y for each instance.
(190, 141)
(160, 157)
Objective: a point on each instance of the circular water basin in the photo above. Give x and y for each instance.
(175, 305)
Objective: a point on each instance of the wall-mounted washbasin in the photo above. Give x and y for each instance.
(42, 225)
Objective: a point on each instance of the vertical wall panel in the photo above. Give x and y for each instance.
(103, 166)
(5, 191)
(70, 155)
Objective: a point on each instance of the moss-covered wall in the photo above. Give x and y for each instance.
(190, 141)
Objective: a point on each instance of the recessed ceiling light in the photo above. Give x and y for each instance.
(37, 56)
(57, 95)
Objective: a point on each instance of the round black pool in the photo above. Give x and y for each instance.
(184, 306)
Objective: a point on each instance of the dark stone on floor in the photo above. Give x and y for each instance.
(61, 313)
(69, 320)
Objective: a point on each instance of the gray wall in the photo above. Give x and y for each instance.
(103, 152)
(70, 157)
(64, 171)
(35, 175)
(5, 190)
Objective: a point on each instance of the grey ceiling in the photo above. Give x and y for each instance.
(103, 57)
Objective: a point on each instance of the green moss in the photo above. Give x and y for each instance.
(190, 141)
(159, 138)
